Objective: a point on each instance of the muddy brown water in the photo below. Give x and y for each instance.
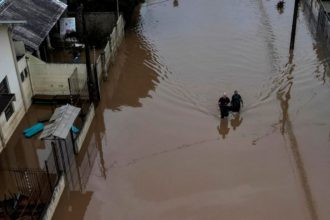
(157, 148)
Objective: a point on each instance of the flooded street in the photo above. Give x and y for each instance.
(157, 148)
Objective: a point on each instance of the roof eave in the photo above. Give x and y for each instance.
(13, 22)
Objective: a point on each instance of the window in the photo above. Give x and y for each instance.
(26, 73)
(2, 1)
(9, 111)
(4, 89)
(22, 76)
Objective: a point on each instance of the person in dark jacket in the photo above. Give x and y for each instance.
(223, 105)
(236, 101)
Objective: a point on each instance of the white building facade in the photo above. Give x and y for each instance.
(14, 77)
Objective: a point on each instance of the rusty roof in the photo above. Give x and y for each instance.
(40, 15)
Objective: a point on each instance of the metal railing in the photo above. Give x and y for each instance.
(26, 193)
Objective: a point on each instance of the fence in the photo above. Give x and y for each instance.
(101, 68)
(29, 191)
(87, 162)
(109, 52)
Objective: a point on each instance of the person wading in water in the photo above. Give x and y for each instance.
(236, 101)
(223, 105)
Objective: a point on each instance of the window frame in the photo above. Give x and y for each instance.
(22, 76)
(26, 73)
(9, 110)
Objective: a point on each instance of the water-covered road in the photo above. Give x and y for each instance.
(157, 148)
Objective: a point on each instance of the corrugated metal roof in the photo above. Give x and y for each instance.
(41, 16)
(61, 122)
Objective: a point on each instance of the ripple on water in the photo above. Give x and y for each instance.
(251, 56)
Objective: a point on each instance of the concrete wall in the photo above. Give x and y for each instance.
(99, 69)
(1, 146)
(110, 50)
(116, 37)
(52, 79)
(84, 130)
(96, 19)
(57, 193)
(120, 30)
(8, 68)
(26, 83)
(99, 25)
(34, 60)
(107, 55)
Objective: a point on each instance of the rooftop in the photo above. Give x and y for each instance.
(40, 17)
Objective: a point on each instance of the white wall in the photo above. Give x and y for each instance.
(52, 79)
(8, 68)
(26, 84)
(1, 146)
(87, 124)
(99, 70)
(110, 49)
(57, 193)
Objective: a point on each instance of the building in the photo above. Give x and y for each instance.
(24, 24)
(12, 106)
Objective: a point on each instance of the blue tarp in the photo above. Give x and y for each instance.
(29, 132)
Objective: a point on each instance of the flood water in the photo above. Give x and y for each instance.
(157, 148)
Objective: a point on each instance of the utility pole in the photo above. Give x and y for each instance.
(90, 78)
(294, 24)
